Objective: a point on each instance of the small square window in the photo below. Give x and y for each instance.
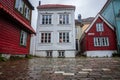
(48, 53)
(61, 53)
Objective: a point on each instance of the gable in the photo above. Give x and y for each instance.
(98, 19)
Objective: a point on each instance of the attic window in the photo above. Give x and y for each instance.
(99, 27)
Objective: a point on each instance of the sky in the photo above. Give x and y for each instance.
(87, 8)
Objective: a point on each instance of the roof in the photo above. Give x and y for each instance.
(13, 15)
(54, 6)
(95, 21)
(78, 23)
(88, 20)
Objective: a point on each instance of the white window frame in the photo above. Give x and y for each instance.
(61, 53)
(27, 12)
(23, 8)
(19, 5)
(23, 38)
(45, 37)
(64, 19)
(49, 54)
(101, 41)
(64, 37)
(46, 19)
(99, 27)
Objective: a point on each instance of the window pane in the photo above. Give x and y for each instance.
(64, 19)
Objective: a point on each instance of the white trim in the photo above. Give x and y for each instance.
(91, 25)
(100, 53)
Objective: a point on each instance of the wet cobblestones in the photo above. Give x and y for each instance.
(61, 69)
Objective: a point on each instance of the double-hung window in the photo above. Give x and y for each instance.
(47, 19)
(63, 18)
(99, 27)
(63, 37)
(46, 37)
(101, 41)
(23, 38)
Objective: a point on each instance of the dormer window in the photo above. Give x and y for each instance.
(23, 8)
(99, 27)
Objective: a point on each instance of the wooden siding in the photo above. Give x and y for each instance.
(88, 40)
(10, 37)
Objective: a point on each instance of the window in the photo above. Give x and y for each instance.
(23, 8)
(49, 53)
(61, 53)
(63, 37)
(23, 38)
(64, 19)
(99, 27)
(19, 5)
(46, 19)
(101, 41)
(27, 12)
(45, 37)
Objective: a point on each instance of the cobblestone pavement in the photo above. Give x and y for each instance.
(61, 69)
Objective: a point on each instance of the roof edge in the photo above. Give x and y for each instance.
(98, 15)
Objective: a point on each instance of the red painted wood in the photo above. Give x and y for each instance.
(10, 31)
(88, 40)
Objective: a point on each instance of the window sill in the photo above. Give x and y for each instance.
(45, 24)
(63, 24)
(64, 43)
(23, 45)
(45, 44)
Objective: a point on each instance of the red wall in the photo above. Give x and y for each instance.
(10, 37)
(108, 32)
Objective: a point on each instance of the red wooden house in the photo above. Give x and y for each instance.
(15, 27)
(99, 39)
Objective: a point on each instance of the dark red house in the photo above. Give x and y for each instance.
(15, 27)
(99, 39)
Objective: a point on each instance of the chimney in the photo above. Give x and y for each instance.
(79, 18)
(39, 3)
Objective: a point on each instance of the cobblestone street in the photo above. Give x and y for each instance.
(61, 69)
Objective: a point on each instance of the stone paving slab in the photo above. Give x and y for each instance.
(61, 69)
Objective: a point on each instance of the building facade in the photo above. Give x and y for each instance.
(99, 39)
(111, 12)
(78, 33)
(15, 27)
(55, 31)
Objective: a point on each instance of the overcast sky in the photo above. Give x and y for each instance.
(87, 8)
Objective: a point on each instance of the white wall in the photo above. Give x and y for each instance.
(102, 53)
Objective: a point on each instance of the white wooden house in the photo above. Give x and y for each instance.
(55, 34)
